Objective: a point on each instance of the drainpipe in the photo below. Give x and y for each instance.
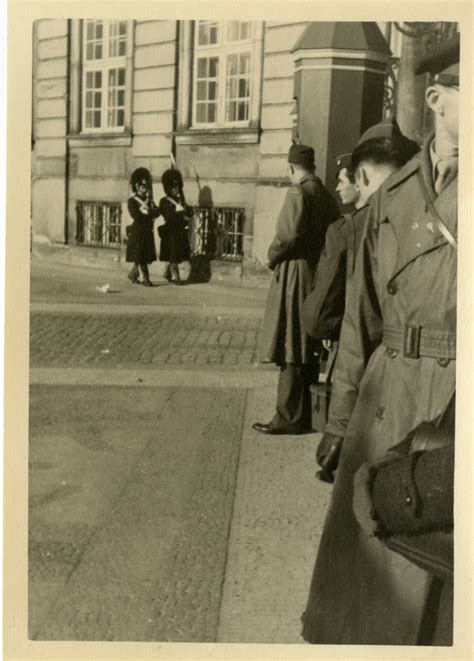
(68, 127)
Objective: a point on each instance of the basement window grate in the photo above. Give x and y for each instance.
(99, 224)
(218, 233)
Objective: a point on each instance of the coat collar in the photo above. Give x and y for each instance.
(415, 224)
(308, 177)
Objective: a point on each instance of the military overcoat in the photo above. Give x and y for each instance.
(307, 211)
(396, 368)
(323, 309)
(141, 242)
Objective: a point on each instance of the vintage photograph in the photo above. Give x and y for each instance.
(243, 273)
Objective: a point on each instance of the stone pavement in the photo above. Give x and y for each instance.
(156, 512)
(104, 340)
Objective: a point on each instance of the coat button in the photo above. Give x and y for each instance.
(443, 362)
(392, 288)
(391, 353)
(380, 413)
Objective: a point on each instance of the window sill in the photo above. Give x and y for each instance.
(100, 140)
(218, 136)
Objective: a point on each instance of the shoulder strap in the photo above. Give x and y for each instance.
(437, 218)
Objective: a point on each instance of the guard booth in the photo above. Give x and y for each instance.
(339, 79)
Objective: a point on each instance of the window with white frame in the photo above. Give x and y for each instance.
(104, 51)
(223, 61)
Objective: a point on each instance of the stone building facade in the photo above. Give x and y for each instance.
(218, 98)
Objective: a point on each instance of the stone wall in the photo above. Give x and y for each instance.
(49, 129)
(276, 125)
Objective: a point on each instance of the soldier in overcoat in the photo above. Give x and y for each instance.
(380, 151)
(397, 368)
(307, 211)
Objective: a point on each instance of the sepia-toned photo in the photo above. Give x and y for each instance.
(242, 330)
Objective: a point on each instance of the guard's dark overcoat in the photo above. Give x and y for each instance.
(307, 211)
(405, 275)
(174, 246)
(323, 309)
(141, 243)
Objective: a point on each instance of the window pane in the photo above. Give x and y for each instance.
(89, 52)
(202, 67)
(232, 88)
(90, 30)
(208, 33)
(244, 64)
(88, 99)
(120, 118)
(213, 67)
(238, 30)
(98, 29)
(245, 29)
(243, 88)
(122, 47)
(232, 65)
(89, 79)
(201, 90)
(203, 32)
(231, 111)
(243, 111)
(211, 115)
(123, 28)
(121, 98)
(201, 113)
(97, 99)
(213, 36)
(98, 79)
(112, 77)
(212, 91)
(97, 119)
(98, 51)
(121, 76)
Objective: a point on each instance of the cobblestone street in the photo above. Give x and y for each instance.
(142, 339)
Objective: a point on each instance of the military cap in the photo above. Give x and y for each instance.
(442, 62)
(386, 129)
(301, 155)
(343, 161)
(171, 177)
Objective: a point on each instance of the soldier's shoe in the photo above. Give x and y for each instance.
(270, 429)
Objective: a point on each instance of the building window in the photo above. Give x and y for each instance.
(218, 233)
(98, 224)
(103, 75)
(223, 61)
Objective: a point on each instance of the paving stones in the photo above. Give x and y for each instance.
(141, 555)
(102, 340)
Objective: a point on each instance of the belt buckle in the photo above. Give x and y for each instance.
(411, 342)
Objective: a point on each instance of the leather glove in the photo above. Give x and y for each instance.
(362, 505)
(327, 456)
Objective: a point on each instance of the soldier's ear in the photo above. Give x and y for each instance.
(363, 178)
(434, 99)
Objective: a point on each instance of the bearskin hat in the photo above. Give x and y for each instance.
(140, 174)
(170, 177)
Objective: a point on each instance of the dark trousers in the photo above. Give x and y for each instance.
(134, 271)
(293, 408)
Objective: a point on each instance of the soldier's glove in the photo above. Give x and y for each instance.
(327, 456)
(362, 505)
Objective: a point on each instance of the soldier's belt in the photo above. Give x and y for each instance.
(416, 341)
